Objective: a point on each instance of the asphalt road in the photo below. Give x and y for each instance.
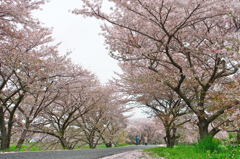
(72, 154)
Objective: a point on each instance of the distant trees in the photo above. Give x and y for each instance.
(162, 102)
(140, 127)
(191, 47)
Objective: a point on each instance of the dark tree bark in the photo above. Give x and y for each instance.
(171, 137)
(238, 136)
(6, 130)
(4, 142)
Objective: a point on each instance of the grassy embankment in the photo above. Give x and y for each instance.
(204, 149)
(190, 152)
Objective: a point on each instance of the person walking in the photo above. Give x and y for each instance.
(137, 140)
(145, 139)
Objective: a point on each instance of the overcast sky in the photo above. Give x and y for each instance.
(80, 35)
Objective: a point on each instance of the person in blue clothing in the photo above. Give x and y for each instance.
(137, 140)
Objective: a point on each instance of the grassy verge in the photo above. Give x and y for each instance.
(122, 145)
(104, 146)
(25, 147)
(192, 152)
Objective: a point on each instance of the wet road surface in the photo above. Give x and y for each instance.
(72, 154)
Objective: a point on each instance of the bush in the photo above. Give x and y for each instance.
(208, 144)
(189, 152)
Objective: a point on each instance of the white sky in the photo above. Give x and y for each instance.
(80, 35)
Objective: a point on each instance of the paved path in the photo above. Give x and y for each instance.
(72, 154)
(136, 154)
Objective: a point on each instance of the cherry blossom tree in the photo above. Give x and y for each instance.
(20, 68)
(25, 60)
(231, 124)
(190, 45)
(105, 122)
(171, 113)
(114, 133)
(116, 109)
(15, 17)
(163, 103)
(41, 94)
(30, 108)
(78, 95)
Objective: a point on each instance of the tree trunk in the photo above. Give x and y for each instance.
(91, 145)
(7, 132)
(64, 143)
(109, 144)
(171, 139)
(23, 135)
(21, 140)
(203, 127)
(238, 136)
(5, 144)
(91, 139)
(4, 138)
(170, 142)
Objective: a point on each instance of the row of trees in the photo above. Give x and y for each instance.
(155, 131)
(45, 93)
(180, 58)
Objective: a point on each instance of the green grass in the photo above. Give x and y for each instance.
(25, 147)
(122, 145)
(191, 152)
(37, 147)
(104, 146)
(209, 144)
(98, 147)
(181, 152)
